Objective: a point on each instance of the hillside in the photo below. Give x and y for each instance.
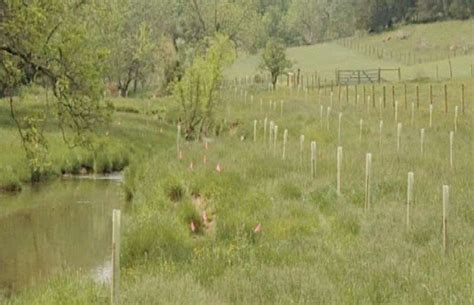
(428, 42)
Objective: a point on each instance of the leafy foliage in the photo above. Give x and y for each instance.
(274, 60)
(197, 92)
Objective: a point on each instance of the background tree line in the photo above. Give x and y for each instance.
(149, 42)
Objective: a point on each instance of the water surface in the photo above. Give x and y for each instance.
(56, 226)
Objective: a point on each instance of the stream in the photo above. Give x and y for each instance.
(59, 226)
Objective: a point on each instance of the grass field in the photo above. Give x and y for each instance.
(431, 38)
(266, 232)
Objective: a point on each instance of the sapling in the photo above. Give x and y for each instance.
(313, 158)
(410, 198)
(285, 140)
(368, 173)
(445, 217)
(338, 168)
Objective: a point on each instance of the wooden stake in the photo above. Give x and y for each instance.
(275, 137)
(178, 140)
(410, 197)
(451, 143)
(422, 141)
(255, 130)
(462, 97)
(115, 287)
(417, 97)
(431, 94)
(265, 130)
(455, 118)
(327, 117)
(445, 217)
(339, 129)
(270, 136)
(313, 159)
(380, 136)
(285, 140)
(321, 110)
(361, 124)
(339, 167)
(301, 149)
(368, 172)
(396, 111)
(445, 98)
(431, 115)
(412, 114)
(405, 94)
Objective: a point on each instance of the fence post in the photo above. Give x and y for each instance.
(339, 167)
(399, 74)
(446, 98)
(410, 187)
(417, 97)
(368, 170)
(378, 75)
(405, 93)
(373, 96)
(384, 96)
(462, 98)
(115, 287)
(431, 94)
(445, 217)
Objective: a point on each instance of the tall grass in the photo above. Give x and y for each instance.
(273, 234)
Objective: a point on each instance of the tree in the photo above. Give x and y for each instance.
(197, 91)
(310, 19)
(53, 44)
(274, 60)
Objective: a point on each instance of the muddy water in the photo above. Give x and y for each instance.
(54, 227)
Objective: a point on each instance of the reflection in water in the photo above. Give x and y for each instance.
(61, 225)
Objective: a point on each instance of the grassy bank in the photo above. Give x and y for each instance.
(263, 231)
(136, 128)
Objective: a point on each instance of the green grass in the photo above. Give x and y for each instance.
(424, 40)
(314, 246)
(137, 127)
(427, 42)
